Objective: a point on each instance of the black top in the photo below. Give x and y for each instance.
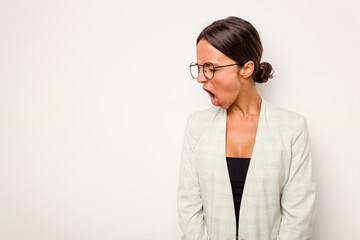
(237, 168)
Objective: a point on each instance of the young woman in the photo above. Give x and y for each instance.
(242, 137)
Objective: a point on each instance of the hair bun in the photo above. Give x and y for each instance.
(265, 72)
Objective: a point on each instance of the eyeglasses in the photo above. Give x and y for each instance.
(208, 69)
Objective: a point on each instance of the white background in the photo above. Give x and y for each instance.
(94, 96)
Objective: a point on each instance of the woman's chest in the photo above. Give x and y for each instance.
(269, 153)
(240, 137)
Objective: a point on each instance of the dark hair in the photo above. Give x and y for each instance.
(239, 40)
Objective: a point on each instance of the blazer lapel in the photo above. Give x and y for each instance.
(251, 177)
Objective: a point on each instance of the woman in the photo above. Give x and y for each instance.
(242, 137)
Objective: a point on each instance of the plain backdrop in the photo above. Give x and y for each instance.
(94, 96)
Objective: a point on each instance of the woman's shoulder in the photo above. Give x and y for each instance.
(205, 113)
(284, 117)
(199, 120)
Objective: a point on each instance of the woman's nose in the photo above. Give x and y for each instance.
(201, 78)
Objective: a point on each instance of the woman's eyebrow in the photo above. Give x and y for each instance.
(213, 63)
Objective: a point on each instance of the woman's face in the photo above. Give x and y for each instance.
(225, 86)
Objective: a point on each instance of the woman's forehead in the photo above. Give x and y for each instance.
(205, 52)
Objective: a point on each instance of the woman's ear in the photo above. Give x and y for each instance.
(247, 69)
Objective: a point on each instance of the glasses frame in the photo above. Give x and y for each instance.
(212, 68)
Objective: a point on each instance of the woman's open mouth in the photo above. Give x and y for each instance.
(214, 99)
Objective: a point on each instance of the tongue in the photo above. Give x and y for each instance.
(215, 100)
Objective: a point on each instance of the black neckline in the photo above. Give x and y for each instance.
(237, 158)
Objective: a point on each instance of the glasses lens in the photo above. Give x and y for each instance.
(208, 70)
(194, 70)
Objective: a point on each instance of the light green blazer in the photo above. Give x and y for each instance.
(279, 196)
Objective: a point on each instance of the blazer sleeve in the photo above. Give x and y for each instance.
(189, 199)
(298, 197)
